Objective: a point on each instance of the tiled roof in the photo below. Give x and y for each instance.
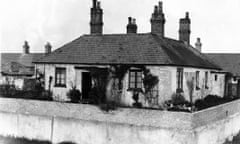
(147, 49)
(229, 62)
(18, 63)
(16, 69)
(24, 59)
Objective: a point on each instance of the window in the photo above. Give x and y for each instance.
(135, 79)
(206, 80)
(60, 77)
(179, 79)
(197, 80)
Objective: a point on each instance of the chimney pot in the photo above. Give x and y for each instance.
(198, 45)
(131, 26)
(94, 3)
(187, 15)
(155, 9)
(134, 21)
(160, 6)
(98, 4)
(129, 20)
(26, 48)
(48, 48)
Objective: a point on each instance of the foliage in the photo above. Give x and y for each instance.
(178, 103)
(178, 99)
(149, 80)
(74, 95)
(211, 100)
(34, 91)
(98, 91)
(119, 72)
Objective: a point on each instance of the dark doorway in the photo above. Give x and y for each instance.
(86, 85)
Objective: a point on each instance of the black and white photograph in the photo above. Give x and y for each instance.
(119, 72)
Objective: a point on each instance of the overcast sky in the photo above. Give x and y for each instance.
(216, 22)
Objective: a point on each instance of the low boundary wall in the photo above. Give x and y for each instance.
(87, 124)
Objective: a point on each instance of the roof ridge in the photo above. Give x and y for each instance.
(117, 34)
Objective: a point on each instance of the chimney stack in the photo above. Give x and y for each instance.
(48, 48)
(26, 48)
(198, 45)
(158, 20)
(131, 26)
(96, 22)
(185, 29)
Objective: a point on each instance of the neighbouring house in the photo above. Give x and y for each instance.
(141, 58)
(230, 63)
(17, 68)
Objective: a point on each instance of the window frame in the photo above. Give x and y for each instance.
(197, 80)
(179, 76)
(60, 77)
(135, 80)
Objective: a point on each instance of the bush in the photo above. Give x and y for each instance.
(35, 91)
(178, 99)
(74, 95)
(178, 103)
(211, 100)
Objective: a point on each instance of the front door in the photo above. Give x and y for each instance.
(86, 85)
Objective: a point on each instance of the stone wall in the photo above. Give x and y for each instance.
(78, 123)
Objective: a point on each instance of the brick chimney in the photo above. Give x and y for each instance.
(96, 22)
(198, 45)
(158, 20)
(131, 26)
(48, 48)
(26, 48)
(184, 29)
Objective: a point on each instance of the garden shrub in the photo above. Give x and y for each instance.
(34, 91)
(74, 95)
(211, 100)
(178, 103)
(178, 99)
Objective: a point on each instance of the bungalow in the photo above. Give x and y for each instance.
(17, 68)
(148, 64)
(229, 62)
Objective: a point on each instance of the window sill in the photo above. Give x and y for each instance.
(63, 86)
